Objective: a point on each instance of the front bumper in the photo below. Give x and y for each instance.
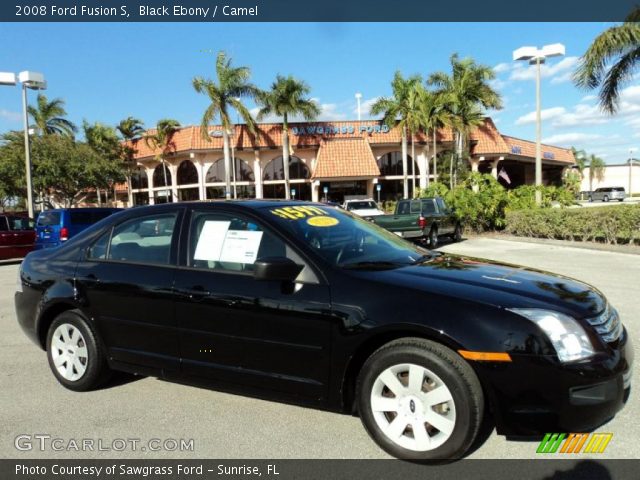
(535, 395)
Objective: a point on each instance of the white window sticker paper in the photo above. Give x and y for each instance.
(241, 246)
(211, 240)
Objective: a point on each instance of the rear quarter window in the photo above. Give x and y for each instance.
(47, 219)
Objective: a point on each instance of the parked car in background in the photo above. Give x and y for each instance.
(363, 208)
(54, 227)
(607, 193)
(17, 236)
(422, 219)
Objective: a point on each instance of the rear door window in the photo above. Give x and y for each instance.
(20, 223)
(142, 240)
(47, 219)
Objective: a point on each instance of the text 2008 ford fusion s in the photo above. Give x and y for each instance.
(309, 303)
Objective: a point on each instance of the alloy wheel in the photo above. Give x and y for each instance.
(413, 407)
(69, 352)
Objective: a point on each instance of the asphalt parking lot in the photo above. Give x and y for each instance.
(229, 426)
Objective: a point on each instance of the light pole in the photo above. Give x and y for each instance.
(34, 81)
(358, 98)
(537, 57)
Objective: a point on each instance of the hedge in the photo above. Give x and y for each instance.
(614, 225)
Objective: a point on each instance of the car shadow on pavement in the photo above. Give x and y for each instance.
(119, 379)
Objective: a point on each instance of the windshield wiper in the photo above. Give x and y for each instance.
(422, 259)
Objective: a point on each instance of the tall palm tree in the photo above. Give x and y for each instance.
(415, 122)
(48, 117)
(397, 111)
(434, 115)
(287, 97)
(130, 129)
(162, 140)
(610, 61)
(469, 93)
(596, 170)
(225, 93)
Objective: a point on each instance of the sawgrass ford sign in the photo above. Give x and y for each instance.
(331, 129)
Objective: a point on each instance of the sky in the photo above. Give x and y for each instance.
(107, 72)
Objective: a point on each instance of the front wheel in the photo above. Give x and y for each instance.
(75, 356)
(419, 400)
(606, 198)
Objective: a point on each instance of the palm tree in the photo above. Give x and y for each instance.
(397, 111)
(581, 159)
(468, 93)
(596, 170)
(232, 84)
(434, 115)
(130, 129)
(48, 117)
(162, 140)
(610, 61)
(286, 98)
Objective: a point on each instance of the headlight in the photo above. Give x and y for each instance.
(566, 334)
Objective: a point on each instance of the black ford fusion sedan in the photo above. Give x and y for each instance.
(308, 303)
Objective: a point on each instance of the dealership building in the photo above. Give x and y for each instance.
(328, 161)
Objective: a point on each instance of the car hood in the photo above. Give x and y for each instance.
(499, 284)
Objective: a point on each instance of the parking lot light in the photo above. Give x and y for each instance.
(537, 57)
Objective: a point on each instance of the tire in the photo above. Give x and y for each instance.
(461, 411)
(75, 355)
(605, 198)
(590, 198)
(432, 238)
(621, 199)
(456, 236)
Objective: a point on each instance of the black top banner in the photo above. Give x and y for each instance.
(314, 11)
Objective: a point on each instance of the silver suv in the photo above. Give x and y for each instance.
(608, 193)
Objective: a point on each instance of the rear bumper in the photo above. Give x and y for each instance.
(537, 395)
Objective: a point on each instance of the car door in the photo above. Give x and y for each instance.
(7, 240)
(24, 235)
(447, 225)
(127, 280)
(245, 331)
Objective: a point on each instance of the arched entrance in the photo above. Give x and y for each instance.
(391, 175)
(242, 187)
(299, 179)
(187, 178)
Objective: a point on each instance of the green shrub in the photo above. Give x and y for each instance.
(613, 225)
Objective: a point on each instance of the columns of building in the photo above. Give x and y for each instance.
(257, 173)
(422, 167)
(494, 167)
(149, 172)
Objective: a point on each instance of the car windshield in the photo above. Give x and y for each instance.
(361, 205)
(345, 240)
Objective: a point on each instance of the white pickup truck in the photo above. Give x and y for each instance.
(363, 207)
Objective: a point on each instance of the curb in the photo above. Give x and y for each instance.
(603, 247)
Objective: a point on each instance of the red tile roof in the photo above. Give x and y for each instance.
(485, 140)
(525, 148)
(345, 157)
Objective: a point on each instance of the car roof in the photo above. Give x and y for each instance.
(253, 204)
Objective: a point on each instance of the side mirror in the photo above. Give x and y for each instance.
(276, 268)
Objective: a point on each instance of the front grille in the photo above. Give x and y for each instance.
(607, 324)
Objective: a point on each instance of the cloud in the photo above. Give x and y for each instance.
(502, 67)
(331, 111)
(588, 98)
(558, 72)
(546, 114)
(10, 116)
(365, 107)
(568, 139)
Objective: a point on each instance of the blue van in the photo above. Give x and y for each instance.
(54, 227)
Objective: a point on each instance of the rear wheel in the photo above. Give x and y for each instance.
(432, 238)
(457, 233)
(75, 356)
(419, 400)
(605, 198)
